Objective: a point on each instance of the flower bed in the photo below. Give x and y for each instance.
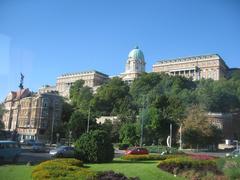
(144, 157)
(179, 164)
(202, 157)
(61, 168)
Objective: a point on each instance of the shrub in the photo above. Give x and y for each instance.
(61, 168)
(95, 146)
(187, 163)
(144, 157)
(113, 176)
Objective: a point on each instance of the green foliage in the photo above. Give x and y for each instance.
(159, 99)
(61, 169)
(218, 96)
(109, 94)
(198, 131)
(112, 128)
(77, 124)
(187, 163)
(81, 96)
(67, 110)
(160, 149)
(123, 146)
(129, 134)
(230, 167)
(144, 157)
(95, 146)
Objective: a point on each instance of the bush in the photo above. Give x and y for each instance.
(113, 176)
(144, 157)
(95, 146)
(187, 163)
(62, 168)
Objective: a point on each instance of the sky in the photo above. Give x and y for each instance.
(46, 38)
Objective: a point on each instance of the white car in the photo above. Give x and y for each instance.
(235, 153)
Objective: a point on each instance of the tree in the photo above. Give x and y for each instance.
(197, 130)
(129, 134)
(95, 146)
(81, 96)
(78, 124)
(218, 96)
(113, 98)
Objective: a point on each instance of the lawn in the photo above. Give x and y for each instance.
(144, 170)
(15, 172)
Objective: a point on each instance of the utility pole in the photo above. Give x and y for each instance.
(89, 111)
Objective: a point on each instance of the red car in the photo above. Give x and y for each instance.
(137, 150)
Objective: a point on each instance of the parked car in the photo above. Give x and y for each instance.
(235, 153)
(9, 151)
(137, 150)
(38, 147)
(62, 151)
(29, 142)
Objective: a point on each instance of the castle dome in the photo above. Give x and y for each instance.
(136, 54)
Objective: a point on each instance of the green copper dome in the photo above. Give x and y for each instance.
(136, 53)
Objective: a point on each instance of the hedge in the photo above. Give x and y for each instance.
(62, 169)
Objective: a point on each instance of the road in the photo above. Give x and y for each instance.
(35, 158)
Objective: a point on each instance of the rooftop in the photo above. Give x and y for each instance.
(191, 58)
(82, 73)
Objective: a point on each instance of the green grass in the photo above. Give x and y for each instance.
(230, 167)
(15, 172)
(145, 170)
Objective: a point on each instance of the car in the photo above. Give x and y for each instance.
(235, 153)
(29, 142)
(9, 151)
(137, 151)
(62, 151)
(38, 147)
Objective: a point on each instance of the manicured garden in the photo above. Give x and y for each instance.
(144, 167)
(144, 170)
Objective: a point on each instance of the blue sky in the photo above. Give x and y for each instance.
(46, 38)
